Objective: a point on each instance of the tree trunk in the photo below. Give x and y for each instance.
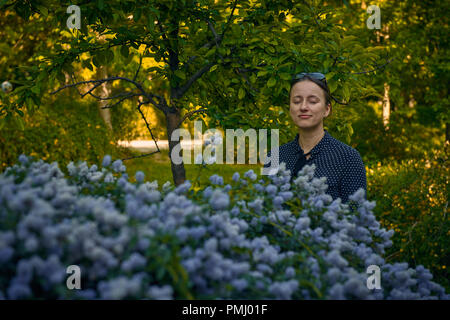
(447, 133)
(178, 171)
(386, 107)
(102, 73)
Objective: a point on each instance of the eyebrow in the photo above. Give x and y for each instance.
(310, 96)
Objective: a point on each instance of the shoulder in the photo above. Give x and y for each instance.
(344, 150)
(286, 148)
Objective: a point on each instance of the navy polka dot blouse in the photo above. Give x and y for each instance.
(340, 163)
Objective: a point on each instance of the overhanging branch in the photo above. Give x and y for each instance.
(377, 67)
(187, 115)
(182, 90)
(150, 96)
(217, 41)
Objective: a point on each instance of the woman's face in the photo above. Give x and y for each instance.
(307, 105)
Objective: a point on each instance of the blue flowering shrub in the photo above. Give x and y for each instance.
(251, 239)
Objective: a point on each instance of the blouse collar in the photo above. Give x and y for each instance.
(317, 148)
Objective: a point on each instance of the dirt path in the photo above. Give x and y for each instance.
(149, 145)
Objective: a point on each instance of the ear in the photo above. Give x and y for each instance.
(327, 112)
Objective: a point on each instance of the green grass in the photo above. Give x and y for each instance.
(157, 167)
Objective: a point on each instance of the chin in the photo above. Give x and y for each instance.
(307, 126)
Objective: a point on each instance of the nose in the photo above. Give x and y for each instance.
(304, 107)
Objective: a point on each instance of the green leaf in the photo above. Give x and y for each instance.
(285, 76)
(87, 64)
(36, 89)
(272, 81)
(95, 61)
(262, 73)
(43, 10)
(348, 139)
(214, 67)
(210, 52)
(137, 15)
(332, 85)
(180, 74)
(346, 92)
(241, 93)
(270, 49)
(350, 128)
(29, 101)
(19, 122)
(330, 75)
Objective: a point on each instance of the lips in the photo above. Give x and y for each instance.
(304, 116)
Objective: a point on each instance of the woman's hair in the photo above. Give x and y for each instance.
(321, 83)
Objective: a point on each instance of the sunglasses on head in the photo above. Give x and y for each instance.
(313, 75)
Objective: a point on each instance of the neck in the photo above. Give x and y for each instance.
(308, 139)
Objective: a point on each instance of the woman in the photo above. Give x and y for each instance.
(310, 104)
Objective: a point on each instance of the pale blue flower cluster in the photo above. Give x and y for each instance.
(270, 240)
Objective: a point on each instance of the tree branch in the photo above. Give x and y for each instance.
(190, 114)
(217, 40)
(207, 45)
(146, 122)
(377, 67)
(141, 103)
(216, 37)
(340, 102)
(334, 61)
(242, 73)
(125, 93)
(161, 105)
(182, 90)
(121, 100)
(166, 40)
(139, 68)
(229, 19)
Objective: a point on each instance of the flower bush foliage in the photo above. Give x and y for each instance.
(251, 239)
(412, 199)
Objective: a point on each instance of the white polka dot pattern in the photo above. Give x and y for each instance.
(338, 162)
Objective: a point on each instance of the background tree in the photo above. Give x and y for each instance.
(413, 38)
